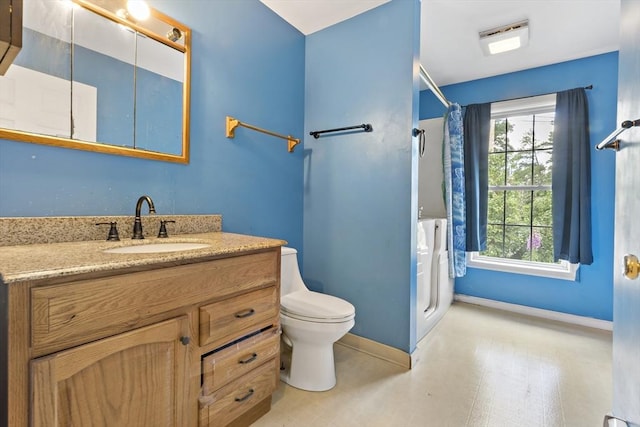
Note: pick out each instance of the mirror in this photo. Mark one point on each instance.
(91, 77)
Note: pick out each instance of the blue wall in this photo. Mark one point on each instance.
(359, 188)
(156, 110)
(248, 63)
(592, 294)
(45, 54)
(115, 86)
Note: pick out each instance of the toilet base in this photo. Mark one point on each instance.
(310, 367)
(312, 363)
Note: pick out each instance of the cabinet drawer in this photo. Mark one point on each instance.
(227, 320)
(224, 366)
(76, 312)
(223, 406)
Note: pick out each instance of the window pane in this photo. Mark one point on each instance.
(519, 165)
(518, 208)
(544, 130)
(520, 155)
(499, 136)
(496, 169)
(516, 243)
(542, 208)
(495, 241)
(495, 207)
(542, 167)
(541, 244)
(520, 136)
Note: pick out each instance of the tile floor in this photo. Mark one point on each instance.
(478, 367)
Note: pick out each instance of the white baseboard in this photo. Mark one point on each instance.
(376, 349)
(589, 322)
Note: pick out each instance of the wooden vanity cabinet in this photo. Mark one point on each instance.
(187, 345)
(135, 378)
(236, 375)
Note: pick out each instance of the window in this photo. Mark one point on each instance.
(519, 233)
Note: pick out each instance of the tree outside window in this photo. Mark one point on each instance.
(519, 205)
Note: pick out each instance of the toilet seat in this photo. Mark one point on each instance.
(316, 307)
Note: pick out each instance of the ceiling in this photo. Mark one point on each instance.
(559, 30)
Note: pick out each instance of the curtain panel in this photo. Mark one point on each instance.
(477, 125)
(571, 181)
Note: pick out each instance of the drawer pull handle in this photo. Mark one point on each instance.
(245, 397)
(185, 340)
(244, 314)
(250, 359)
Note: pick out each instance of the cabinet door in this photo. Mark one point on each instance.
(138, 378)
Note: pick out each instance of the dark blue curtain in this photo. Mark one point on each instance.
(571, 183)
(477, 123)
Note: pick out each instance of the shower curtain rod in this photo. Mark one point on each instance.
(531, 96)
(426, 78)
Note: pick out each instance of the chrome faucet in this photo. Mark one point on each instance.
(137, 224)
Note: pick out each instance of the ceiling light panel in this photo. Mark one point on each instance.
(505, 38)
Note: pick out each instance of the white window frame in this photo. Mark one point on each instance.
(562, 270)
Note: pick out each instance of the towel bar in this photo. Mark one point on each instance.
(232, 124)
(611, 141)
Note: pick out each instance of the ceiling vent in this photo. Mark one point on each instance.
(505, 38)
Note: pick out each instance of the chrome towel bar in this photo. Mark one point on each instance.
(611, 141)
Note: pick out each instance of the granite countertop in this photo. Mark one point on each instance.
(51, 260)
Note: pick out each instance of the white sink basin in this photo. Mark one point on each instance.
(156, 247)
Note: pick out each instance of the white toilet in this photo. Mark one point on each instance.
(311, 323)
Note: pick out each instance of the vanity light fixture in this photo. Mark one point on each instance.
(139, 9)
(505, 38)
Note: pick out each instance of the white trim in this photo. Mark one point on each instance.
(376, 349)
(523, 106)
(564, 270)
(588, 322)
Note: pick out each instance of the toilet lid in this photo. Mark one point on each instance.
(314, 306)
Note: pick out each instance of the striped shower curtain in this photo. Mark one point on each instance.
(453, 156)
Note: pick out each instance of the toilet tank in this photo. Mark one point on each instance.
(290, 279)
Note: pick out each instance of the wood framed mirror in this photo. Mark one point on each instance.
(92, 77)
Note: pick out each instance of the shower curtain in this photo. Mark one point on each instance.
(453, 156)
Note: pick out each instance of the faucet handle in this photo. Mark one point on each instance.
(163, 228)
(113, 231)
